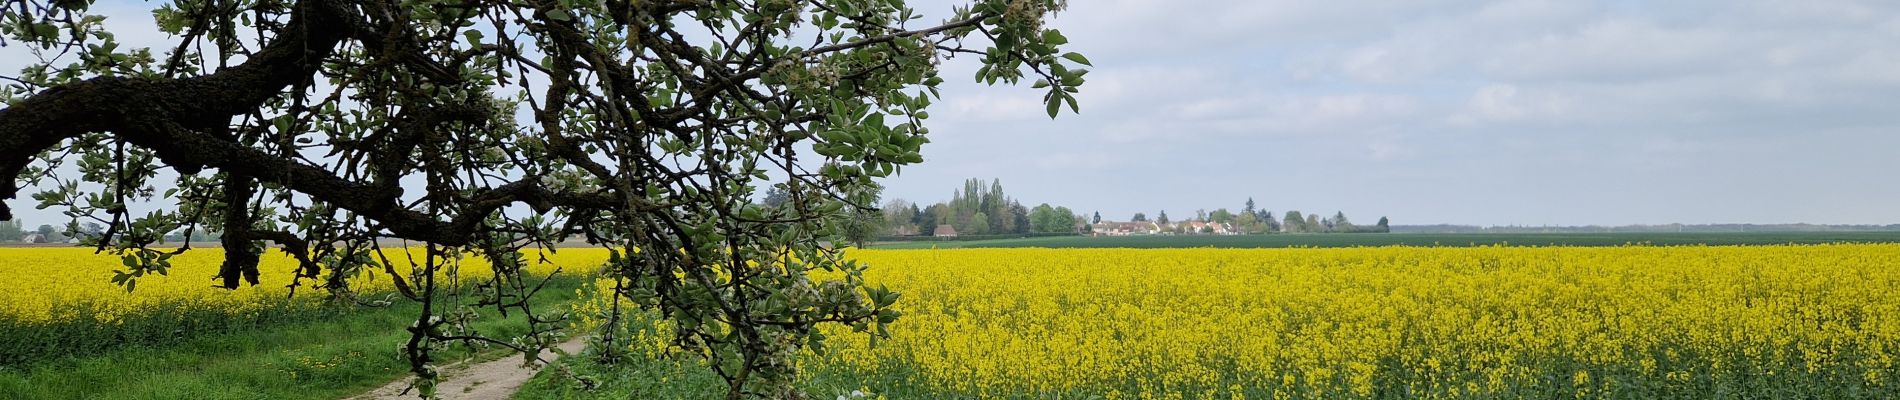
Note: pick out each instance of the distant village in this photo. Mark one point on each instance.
(15, 232)
(1189, 227)
(982, 210)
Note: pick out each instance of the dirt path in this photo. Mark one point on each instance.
(493, 380)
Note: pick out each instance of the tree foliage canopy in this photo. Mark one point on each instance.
(485, 126)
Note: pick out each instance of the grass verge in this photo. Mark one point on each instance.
(324, 358)
(640, 376)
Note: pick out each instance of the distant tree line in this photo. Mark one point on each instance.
(984, 209)
(16, 232)
(1251, 219)
(978, 209)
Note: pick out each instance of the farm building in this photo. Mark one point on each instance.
(1209, 228)
(1111, 228)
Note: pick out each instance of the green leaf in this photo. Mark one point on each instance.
(475, 37)
(1072, 79)
(1055, 105)
(1054, 38)
(1077, 58)
(560, 15)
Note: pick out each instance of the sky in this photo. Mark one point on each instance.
(1509, 112)
(1521, 112)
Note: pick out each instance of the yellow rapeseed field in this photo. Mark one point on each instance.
(48, 285)
(1501, 322)
(1488, 322)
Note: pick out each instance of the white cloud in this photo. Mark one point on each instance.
(1619, 49)
(1072, 161)
(1879, 66)
(1507, 103)
(1389, 150)
(991, 107)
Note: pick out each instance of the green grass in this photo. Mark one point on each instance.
(1413, 239)
(24, 343)
(637, 377)
(682, 378)
(326, 358)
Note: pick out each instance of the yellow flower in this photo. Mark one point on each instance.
(1331, 323)
(43, 285)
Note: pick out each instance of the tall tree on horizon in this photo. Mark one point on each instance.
(923, 222)
(899, 215)
(1247, 223)
(776, 197)
(11, 231)
(1066, 220)
(934, 216)
(1005, 220)
(1019, 217)
(1221, 215)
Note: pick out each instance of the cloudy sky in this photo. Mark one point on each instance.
(1521, 112)
(1477, 112)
